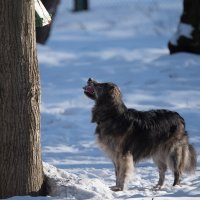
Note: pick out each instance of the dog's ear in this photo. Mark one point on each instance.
(116, 93)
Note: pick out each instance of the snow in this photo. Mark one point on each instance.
(124, 42)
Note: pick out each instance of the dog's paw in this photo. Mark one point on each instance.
(116, 188)
(157, 187)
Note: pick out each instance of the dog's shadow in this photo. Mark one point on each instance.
(144, 189)
(142, 192)
(140, 188)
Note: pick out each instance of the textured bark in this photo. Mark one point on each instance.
(21, 170)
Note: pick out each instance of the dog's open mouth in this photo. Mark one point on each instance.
(89, 90)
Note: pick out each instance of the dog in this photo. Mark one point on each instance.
(129, 136)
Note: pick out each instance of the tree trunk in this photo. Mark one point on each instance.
(80, 5)
(187, 37)
(21, 170)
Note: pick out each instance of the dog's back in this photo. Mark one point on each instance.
(153, 130)
(160, 134)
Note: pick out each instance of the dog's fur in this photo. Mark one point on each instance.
(128, 135)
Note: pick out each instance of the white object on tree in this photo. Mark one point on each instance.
(42, 16)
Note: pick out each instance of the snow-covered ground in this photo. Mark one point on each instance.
(124, 42)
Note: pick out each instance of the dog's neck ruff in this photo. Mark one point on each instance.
(101, 114)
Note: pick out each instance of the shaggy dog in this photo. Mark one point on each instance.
(128, 135)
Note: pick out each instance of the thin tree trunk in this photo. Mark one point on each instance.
(81, 5)
(21, 171)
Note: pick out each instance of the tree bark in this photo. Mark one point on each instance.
(21, 170)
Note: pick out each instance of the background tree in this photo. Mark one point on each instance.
(21, 170)
(187, 37)
(80, 5)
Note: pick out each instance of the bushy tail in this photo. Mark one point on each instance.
(190, 159)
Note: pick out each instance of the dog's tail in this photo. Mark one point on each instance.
(190, 159)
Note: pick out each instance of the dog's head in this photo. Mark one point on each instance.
(102, 91)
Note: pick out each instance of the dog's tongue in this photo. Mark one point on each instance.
(89, 89)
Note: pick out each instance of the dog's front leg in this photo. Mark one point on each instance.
(117, 172)
(123, 171)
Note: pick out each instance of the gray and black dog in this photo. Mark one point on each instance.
(128, 135)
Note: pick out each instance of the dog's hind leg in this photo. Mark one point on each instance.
(162, 166)
(177, 171)
(123, 170)
(176, 162)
